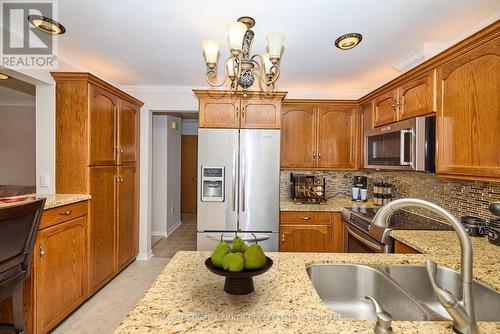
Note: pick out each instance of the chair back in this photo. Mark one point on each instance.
(18, 228)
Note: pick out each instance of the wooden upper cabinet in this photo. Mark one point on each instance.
(128, 132)
(468, 115)
(103, 106)
(260, 113)
(60, 266)
(298, 136)
(127, 215)
(385, 108)
(336, 137)
(417, 96)
(219, 112)
(102, 229)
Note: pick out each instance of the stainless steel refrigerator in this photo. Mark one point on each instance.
(238, 186)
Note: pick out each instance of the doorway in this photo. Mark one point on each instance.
(189, 153)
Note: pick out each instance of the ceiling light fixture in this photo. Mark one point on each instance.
(4, 76)
(47, 25)
(240, 65)
(348, 41)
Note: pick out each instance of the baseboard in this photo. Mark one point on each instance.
(144, 256)
(159, 233)
(173, 228)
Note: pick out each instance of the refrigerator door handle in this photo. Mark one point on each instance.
(230, 239)
(235, 162)
(243, 182)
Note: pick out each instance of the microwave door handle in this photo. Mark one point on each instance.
(402, 150)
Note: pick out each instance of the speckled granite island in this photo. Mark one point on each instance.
(186, 297)
(55, 200)
(331, 205)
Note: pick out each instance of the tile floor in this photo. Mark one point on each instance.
(107, 308)
(183, 238)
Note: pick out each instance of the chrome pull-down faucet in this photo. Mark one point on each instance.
(461, 311)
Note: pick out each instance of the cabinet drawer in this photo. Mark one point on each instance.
(306, 217)
(63, 213)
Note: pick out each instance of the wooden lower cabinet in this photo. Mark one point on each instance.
(127, 228)
(311, 232)
(60, 266)
(402, 248)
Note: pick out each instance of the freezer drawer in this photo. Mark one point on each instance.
(208, 241)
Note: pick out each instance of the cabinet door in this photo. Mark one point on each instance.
(417, 97)
(468, 117)
(385, 109)
(102, 227)
(219, 113)
(60, 268)
(366, 110)
(305, 238)
(127, 223)
(103, 107)
(298, 136)
(337, 142)
(257, 113)
(128, 130)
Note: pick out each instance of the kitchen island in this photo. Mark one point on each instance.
(186, 297)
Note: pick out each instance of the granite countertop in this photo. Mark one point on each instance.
(186, 297)
(54, 200)
(331, 205)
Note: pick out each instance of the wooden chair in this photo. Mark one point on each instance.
(18, 230)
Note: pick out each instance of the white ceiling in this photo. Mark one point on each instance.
(159, 42)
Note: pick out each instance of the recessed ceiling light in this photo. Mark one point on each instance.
(3, 76)
(348, 41)
(47, 25)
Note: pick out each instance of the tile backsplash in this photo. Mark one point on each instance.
(460, 197)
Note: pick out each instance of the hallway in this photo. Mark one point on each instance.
(183, 238)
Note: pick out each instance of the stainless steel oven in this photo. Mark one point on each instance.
(358, 242)
(405, 145)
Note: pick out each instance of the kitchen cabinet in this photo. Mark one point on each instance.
(298, 136)
(97, 152)
(366, 116)
(319, 135)
(385, 108)
(220, 109)
(311, 232)
(402, 248)
(468, 114)
(60, 270)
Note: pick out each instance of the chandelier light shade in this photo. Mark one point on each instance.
(275, 42)
(236, 31)
(211, 48)
(242, 69)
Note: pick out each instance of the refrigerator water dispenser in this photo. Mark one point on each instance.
(212, 184)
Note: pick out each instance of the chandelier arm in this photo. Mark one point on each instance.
(213, 74)
(276, 75)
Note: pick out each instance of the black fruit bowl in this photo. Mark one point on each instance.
(238, 283)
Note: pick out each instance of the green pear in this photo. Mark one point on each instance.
(233, 262)
(221, 249)
(239, 245)
(254, 257)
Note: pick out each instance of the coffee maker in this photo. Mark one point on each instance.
(359, 190)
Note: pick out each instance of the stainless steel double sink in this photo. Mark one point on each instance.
(402, 290)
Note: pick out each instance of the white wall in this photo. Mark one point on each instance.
(190, 127)
(173, 175)
(17, 145)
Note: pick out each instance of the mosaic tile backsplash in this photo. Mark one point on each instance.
(460, 197)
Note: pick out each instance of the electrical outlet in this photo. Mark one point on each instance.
(44, 180)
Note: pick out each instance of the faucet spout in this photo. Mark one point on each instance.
(461, 311)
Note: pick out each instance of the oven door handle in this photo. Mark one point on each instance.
(364, 241)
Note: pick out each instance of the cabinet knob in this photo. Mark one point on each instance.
(65, 213)
(283, 238)
(314, 155)
(42, 252)
(306, 218)
(319, 155)
(117, 149)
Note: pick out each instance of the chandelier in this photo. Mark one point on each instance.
(240, 67)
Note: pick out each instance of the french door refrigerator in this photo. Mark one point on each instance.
(238, 186)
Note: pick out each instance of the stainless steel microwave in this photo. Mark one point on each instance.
(404, 145)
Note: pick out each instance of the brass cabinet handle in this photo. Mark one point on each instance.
(121, 149)
(314, 155)
(242, 111)
(65, 213)
(117, 178)
(319, 155)
(117, 149)
(42, 252)
(237, 109)
(306, 218)
(121, 178)
(283, 238)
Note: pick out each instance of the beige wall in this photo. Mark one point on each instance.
(17, 145)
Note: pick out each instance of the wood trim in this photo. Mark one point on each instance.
(60, 77)
(481, 37)
(337, 232)
(321, 101)
(217, 94)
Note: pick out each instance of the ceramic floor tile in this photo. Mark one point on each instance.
(183, 238)
(103, 312)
